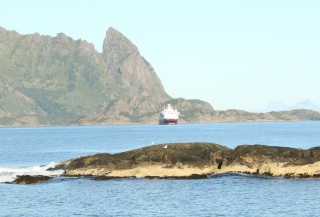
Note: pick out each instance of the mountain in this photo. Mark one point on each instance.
(49, 80)
(60, 81)
(279, 106)
(306, 104)
(57, 80)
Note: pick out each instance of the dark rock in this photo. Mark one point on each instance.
(102, 178)
(193, 176)
(315, 152)
(26, 179)
(262, 153)
(194, 154)
(304, 175)
(267, 174)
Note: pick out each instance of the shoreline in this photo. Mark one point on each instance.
(152, 123)
(161, 172)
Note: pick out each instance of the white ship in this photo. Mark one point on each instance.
(169, 115)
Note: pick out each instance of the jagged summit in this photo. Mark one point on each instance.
(129, 69)
(116, 47)
(115, 41)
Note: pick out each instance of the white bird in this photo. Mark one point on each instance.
(152, 143)
(166, 146)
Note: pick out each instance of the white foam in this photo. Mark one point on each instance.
(9, 174)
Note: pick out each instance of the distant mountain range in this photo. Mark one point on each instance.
(279, 106)
(48, 81)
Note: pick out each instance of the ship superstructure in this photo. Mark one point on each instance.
(169, 115)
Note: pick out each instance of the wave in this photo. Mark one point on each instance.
(9, 174)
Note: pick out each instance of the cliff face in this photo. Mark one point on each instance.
(128, 69)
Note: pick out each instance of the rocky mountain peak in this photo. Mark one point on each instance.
(116, 48)
(129, 69)
(2, 29)
(115, 41)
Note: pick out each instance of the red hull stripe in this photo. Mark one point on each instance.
(170, 120)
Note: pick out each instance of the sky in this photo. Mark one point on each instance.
(234, 54)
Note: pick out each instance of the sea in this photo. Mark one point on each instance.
(33, 150)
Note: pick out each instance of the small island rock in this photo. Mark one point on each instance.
(27, 179)
(197, 160)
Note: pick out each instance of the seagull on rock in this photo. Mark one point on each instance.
(166, 146)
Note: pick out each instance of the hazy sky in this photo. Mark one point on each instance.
(232, 53)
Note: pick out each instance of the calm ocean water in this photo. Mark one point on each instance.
(32, 150)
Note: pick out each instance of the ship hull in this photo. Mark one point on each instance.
(168, 120)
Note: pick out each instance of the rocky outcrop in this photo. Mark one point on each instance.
(129, 69)
(198, 160)
(27, 179)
